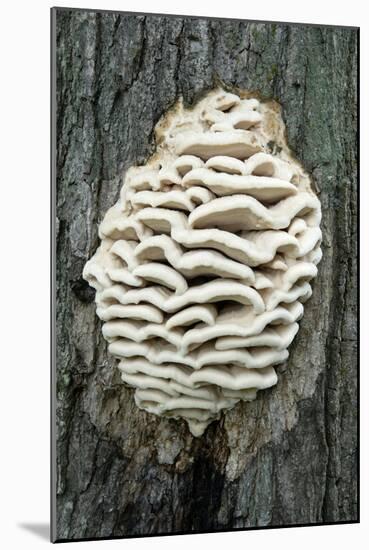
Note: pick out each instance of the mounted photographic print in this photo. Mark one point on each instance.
(204, 218)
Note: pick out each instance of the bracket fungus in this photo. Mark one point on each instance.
(206, 258)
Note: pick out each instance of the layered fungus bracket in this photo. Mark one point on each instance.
(205, 260)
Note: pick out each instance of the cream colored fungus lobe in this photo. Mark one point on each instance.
(206, 258)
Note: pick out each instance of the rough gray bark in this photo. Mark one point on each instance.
(290, 456)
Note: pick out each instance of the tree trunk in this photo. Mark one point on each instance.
(289, 457)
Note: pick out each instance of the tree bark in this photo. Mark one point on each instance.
(288, 458)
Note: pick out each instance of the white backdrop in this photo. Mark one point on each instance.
(24, 224)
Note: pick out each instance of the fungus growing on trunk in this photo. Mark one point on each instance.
(206, 258)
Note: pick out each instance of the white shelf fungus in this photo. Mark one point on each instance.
(206, 259)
